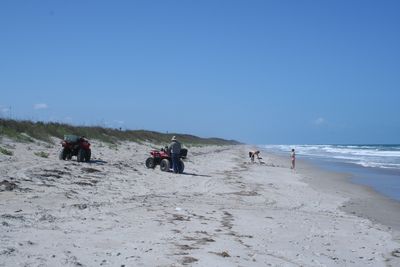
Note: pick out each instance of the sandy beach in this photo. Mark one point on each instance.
(223, 211)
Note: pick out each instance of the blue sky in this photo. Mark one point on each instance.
(262, 72)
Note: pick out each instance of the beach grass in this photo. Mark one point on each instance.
(6, 151)
(28, 131)
(42, 154)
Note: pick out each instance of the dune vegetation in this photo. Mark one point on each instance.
(27, 131)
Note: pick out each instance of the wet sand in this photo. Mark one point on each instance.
(362, 201)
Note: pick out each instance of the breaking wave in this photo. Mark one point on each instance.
(377, 156)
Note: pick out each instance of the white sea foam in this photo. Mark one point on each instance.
(378, 156)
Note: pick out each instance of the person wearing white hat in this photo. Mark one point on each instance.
(175, 150)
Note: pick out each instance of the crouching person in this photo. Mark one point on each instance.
(253, 154)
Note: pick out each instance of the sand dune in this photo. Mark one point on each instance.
(223, 211)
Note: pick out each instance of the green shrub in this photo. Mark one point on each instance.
(6, 152)
(42, 154)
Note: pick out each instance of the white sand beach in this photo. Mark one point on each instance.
(223, 211)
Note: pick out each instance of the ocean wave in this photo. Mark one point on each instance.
(378, 156)
(379, 165)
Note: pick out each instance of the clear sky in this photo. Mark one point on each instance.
(261, 72)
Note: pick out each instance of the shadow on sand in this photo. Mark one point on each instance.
(195, 174)
(99, 162)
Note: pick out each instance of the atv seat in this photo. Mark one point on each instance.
(71, 138)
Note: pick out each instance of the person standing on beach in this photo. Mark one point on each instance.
(293, 158)
(175, 149)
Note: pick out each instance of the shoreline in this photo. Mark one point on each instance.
(363, 200)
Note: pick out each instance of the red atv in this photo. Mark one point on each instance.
(163, 158)
(75, 146)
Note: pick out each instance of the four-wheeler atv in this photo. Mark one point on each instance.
(163, 158)
(75, 146)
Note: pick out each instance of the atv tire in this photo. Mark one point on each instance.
(164, 165)
(63, 154)
(150, 163)
(81, 155)
(88, 155)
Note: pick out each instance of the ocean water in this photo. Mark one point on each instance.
(377, 166)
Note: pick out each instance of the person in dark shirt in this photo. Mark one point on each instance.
(175, 149)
